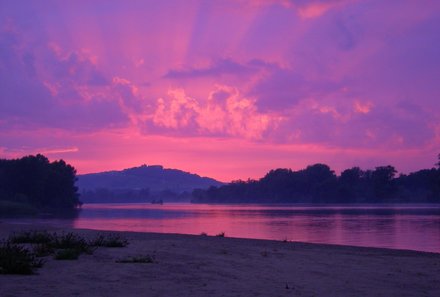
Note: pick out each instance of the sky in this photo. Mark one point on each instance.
(227, 89)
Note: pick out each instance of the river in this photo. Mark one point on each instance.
(413, 227)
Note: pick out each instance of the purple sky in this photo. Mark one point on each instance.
(228, 89)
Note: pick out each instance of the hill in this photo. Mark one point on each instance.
(141, 184)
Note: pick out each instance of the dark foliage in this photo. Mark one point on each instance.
(72, 241)
(15, 259)
(112, 240)
(37, 237)
(108, 195)
(319, 184)
(42, 249)
(34, 183)
(114, 196)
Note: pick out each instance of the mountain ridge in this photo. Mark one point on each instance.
(154, 179)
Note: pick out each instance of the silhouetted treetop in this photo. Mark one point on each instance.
(319, 184)
(36, 182)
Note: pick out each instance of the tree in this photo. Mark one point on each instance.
(349, 184)
(35, 182)
(383, 185)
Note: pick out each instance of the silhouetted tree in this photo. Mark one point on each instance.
(349, 185)
(34, 181)
(318, 183)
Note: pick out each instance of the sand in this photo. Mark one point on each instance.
(189, 265)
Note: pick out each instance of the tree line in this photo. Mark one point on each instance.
(319, 184)
(32, 184)
(143, 195)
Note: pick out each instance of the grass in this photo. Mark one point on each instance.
(137, 259)
(18, 259)
(15, 259)
(111, 240)
(72, 241)
(42, 250)
(37, 237)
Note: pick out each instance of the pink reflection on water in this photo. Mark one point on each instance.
(399, 227)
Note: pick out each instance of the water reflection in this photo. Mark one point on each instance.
(414, 227)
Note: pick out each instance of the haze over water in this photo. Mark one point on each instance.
(413, 227)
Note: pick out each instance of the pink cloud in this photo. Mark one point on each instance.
(314, 10)
(251, 85)
(362, 107)
(225, 112)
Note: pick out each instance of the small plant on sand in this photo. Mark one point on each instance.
(67, 254)
(138, 259)
(42, 249)
(221, 234)
(42, 237)
(72, 241)
(15, 259)
(111, 240)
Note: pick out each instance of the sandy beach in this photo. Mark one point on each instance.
(187, 265)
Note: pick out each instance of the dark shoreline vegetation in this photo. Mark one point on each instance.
(25, 251)
(319, 184)
(34, 186)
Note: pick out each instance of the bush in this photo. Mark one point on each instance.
(42, 250)
(15, 259)
(112, 240)
(38, 237)
(72, 241)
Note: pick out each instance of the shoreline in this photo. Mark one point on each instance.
(196, 265)
(59, 225)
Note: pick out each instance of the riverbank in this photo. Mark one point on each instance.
(186, 265)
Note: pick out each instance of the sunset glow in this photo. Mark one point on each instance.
(226, 89)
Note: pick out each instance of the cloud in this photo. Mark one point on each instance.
(361, 107)
(331, 123)
(218, 68)
(346, 75)
(225, 112)
(17, 152)
(314, 10)
(53, 89)
(74, 66)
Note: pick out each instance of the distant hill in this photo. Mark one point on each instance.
(141, 184)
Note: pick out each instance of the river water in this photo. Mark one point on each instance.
(414, 227)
